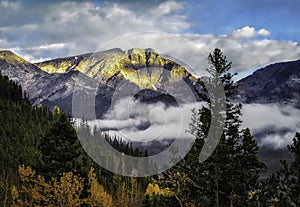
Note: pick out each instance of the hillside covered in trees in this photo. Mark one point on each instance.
(42, 162)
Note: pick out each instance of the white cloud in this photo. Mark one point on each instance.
(3, 44)
(278, 141)
(169, 6)
(249, 54)
(85, 28)
(263, 32)
(162, 122)
(10, 5)
(48, 46)
(274, 125)
(249, 32)
(245, 32)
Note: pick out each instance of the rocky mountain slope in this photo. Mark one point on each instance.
(143, 67)
(29, 76)
(132, 70)
(277, 83)
(19, 70)
(41, 87)
(144, 72)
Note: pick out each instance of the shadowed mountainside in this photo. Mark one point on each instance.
(277, 83)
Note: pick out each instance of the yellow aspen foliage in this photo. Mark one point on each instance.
(39, 106)
(56, 110)
(67, 191)
(189, 204)
(15, 194)
(32, 189)
(26, 173)
(153, 189)
(122, 196)
(129, 192)
(36, 191)
(98, 196)
(136, 194)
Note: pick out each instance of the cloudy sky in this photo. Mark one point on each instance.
(252, 33)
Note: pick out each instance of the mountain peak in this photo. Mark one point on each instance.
(140, 51)
(143, 67)
(11, 57)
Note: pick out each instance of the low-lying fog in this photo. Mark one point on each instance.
(155, 124)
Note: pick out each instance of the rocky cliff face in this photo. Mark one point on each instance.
(143, 67)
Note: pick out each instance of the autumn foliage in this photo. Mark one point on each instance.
(34, 190)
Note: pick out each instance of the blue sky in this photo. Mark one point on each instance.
(251, 33)
(279, 17)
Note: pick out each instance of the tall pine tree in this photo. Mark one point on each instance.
(231, 172)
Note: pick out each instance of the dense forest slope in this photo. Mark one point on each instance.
(36, 142)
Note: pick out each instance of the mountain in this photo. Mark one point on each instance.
(142, 73)
(41, 87)
(32, 79)
(277, 83)
(18, 69)
(143, 67)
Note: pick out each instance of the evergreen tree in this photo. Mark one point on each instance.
(227, 176)
(61, 149)
(295, 170)
(247, 168)
(20, 131)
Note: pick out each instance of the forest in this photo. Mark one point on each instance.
(42, 162)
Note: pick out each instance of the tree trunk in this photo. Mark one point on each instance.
(6, 187)
(216, 187)
(231, 199)
(179, 201)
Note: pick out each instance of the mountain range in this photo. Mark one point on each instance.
(52, 82)
(150, 76)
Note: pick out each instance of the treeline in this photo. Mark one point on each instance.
(43, 162)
